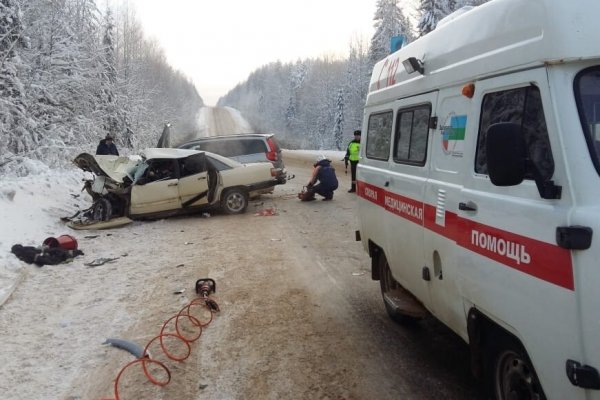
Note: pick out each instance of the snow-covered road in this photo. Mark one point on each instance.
(214, 121)
(300, 316)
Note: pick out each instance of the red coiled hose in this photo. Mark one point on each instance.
(175, 321)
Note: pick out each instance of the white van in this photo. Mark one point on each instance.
(479, 185)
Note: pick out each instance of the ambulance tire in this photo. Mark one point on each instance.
(509, 373)
(389, 284)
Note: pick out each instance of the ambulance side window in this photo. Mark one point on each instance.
(587, 93)
(379, 133)
(522, 106)
(412, 130)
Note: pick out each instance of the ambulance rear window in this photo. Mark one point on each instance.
(587, 92)
(379, 133)
(522, 106)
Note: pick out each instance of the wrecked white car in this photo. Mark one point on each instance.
(164, 182)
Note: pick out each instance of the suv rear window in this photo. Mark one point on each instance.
(231, 148)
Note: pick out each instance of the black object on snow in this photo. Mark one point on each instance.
(43, 256)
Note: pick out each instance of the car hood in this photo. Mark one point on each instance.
(113, 167)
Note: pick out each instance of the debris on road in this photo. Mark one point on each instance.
(100, 261)
(267, 212)
(127, 345)
(44, 255)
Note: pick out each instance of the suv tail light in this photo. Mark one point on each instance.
(272, 153)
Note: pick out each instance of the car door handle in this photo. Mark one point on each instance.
(172, 184)
(469, 206)
(201, 178)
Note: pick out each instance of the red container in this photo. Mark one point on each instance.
(65, 242)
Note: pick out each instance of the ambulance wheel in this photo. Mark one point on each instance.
(511, 375)
(234, 201)
(101, 209)
(394, 295)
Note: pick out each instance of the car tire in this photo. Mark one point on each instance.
(391, 290)
(509, 372)
(101, 209)
(234, 201)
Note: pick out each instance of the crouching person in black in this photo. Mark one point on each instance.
(323, 180)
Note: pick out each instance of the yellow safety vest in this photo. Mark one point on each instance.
(353, 150)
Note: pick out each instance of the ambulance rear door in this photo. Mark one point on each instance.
(405, 189)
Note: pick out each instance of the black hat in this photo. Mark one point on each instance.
(108, 137)
(357, 132)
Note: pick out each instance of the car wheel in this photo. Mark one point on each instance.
(513, 376)
(397, 300)
(101, 209)
(234, 201)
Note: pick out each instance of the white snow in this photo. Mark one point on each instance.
(240, 121)
(30, 211)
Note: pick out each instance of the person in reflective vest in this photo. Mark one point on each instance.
(323, 181)
(352, 156)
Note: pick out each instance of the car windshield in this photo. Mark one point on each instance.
(587, 91)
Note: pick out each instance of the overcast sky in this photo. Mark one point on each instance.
(218, 43)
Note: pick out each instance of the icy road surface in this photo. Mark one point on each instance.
(215, 121)
(300, 316)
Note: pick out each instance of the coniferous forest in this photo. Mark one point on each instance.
(318, 103)
(70, 73)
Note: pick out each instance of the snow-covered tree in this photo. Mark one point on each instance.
(15, 126)
(109, 78)
(67, 78)
(356, 86)
(297, 76)
(389, 22)
(431, 12)
(338, 127)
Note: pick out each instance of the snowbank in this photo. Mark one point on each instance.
(30, 211)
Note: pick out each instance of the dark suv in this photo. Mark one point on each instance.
(244, 148)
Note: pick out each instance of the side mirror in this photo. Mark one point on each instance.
(505, 149)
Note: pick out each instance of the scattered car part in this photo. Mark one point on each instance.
(100, 261)
(129, 346)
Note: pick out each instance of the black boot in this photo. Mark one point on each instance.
(352, 188)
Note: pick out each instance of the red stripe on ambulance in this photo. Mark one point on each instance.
(536, 258)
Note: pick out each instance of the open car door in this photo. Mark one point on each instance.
(193, 183)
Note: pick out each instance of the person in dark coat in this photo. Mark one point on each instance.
(323, 181)
(107, 147)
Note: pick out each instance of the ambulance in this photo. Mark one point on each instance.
(479, 190)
